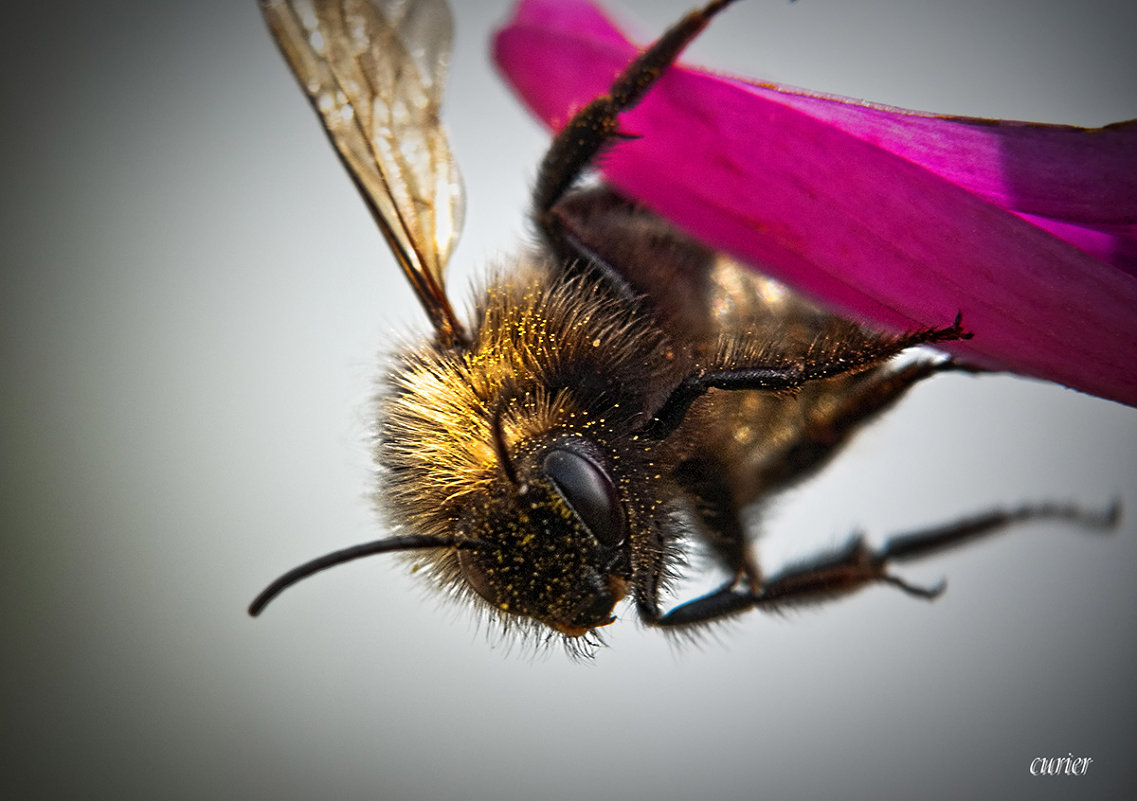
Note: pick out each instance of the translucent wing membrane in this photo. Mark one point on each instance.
(374, 71)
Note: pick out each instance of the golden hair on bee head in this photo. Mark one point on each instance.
(551, 359)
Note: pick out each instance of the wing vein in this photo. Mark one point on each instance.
(373, 70)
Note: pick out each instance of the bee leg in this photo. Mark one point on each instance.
(827, 432)
(789, 377)
(721, 526)
(857, 565)
(837, 574)
(717, 605)
(596, 125)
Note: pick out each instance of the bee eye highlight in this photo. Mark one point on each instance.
(589, 492)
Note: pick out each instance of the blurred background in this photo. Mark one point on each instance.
(193, 306)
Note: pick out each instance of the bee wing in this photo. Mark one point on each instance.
(374, 71)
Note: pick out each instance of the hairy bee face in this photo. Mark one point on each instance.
(554, 544)
(520, 448)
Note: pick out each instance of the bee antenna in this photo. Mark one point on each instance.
(499, 445)
(407, 543)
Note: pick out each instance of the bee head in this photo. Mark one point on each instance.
(552, 544)
(550, 547)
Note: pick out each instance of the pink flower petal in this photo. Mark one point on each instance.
(1078, 183)
(897, 218)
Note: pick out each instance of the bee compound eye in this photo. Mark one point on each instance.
(589, 491)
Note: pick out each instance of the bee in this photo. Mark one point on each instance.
(620, 391)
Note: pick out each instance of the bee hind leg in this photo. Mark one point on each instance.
(840, 573)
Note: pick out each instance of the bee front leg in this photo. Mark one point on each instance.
(837, 574)
(596, 125)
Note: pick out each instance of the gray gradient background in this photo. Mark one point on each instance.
(191, 303)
